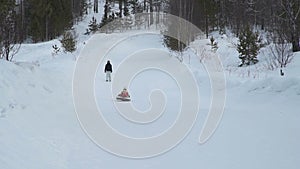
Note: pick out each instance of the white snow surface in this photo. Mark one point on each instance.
(39, 128)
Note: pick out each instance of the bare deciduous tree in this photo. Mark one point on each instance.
(281, 51)
(290, 10)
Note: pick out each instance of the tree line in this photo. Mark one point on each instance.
(36, 20)
(279, 17)
(47, 19)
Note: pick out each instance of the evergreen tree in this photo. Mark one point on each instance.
(69, 41)
(248, 47)
(9, 38)
(105, 18)
(174, 44)
(136, 6)
(209, 8)
(48, 19)
(126, 8)
(213, 44)
(93, 26)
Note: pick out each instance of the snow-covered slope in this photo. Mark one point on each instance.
(39, 128)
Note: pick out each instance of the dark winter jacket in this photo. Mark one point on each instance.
(108, 67)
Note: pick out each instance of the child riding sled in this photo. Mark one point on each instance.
(124, 95)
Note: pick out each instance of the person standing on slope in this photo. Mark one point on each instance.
(108, 71)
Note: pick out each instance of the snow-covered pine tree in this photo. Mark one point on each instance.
(127, 22)
(69, 41)
(107, 13)
(93, 26)
(214, 44)
(136, 6)
(248, 47)
(126, 7)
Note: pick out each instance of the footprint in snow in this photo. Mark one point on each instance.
(2, 112)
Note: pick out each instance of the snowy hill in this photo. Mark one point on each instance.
(39, 127)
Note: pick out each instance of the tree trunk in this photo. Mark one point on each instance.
(295, 42)
(46, 27)
(96, 6)
(206, 19)
(106, 10)
(7, 51)
(126, 10)
(151, 12)
(120, 8)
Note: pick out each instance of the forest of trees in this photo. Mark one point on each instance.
(274, 16)
(38, 20)
(43, 20)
